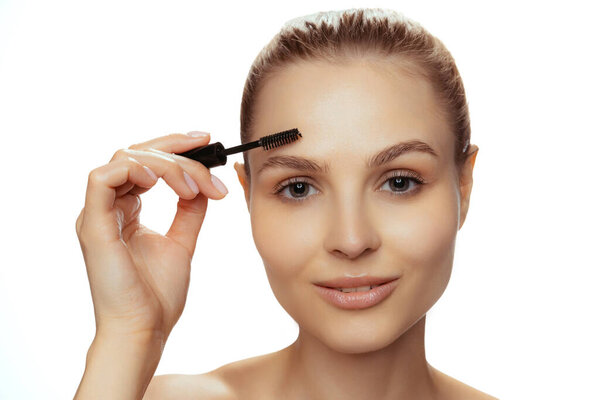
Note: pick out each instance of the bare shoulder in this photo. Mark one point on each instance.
(248, 378)
(188, 387)
(257, 377)
(455, 389)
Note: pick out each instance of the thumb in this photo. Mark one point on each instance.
(188, 221)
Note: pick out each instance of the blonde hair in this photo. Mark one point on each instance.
(339, 36)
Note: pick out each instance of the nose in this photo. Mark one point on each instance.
(352, 232)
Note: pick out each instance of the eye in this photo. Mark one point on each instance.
(400, 183)
(297, 187)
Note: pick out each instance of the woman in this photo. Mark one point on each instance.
(373, 193)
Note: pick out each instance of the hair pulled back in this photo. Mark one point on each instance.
(340, 36)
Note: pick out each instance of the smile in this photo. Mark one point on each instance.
(356, 289)
(357, 298)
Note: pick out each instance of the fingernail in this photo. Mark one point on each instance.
(138, 203)
(190, 182)
(218, 184)
(151, 173)
(198, 134)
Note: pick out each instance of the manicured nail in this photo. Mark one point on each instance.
(198, 134)
(151, 173)
(218, 184)
(190, 182)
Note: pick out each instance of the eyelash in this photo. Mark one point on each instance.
(410, 175)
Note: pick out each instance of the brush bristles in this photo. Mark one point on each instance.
(279, 139)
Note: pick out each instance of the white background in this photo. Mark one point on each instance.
(81, 79)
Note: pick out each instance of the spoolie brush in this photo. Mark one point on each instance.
(214, 154)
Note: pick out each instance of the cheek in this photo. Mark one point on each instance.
(283, 239)
(423, 241)
(286, 243)
(428, 232)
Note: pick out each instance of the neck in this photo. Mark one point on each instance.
(396, 371)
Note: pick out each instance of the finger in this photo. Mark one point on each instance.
(200, 174)
(130, 207)
(130, 187)
(188, 221)
(172, 167)
(124, 188)
(163, 165)
(173, 143)
(178, 143)
(99, 215)
(138, 190)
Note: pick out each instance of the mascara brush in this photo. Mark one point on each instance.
(215, 154)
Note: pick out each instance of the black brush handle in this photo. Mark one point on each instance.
(211, 155)
(214, 154)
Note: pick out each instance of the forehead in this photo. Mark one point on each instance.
(352, 109)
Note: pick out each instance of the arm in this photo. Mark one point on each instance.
(119, 367)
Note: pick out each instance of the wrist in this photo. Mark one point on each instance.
(120, 366)
(148, 344)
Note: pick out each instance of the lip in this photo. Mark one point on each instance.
(357, 300)
(353, 282)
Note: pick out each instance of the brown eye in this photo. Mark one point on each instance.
(404, 183)
(297, 188)
(399, 183)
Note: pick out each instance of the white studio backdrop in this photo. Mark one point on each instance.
(82, 79)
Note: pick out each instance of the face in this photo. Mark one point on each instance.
(355, 217)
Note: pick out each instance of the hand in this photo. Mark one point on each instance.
(138, 278)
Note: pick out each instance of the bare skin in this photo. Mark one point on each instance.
(348, 222)
(268, 377)
(138, 278)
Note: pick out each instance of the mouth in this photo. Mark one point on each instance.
(355, 284)
(358, 297)
(355, 289)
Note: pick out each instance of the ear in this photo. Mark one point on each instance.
(466, 183)
(241, 173)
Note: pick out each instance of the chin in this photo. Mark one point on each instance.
(358, 336)
(358, 342)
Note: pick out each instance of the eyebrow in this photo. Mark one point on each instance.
(383, 157)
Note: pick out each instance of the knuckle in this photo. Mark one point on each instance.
(121, 153)
(172, 163)
(84, 239)
(95, 175)
(89, 235)
(203, 172)
(133, 160)
(78, 222)
(81, 232)
(162, 154)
